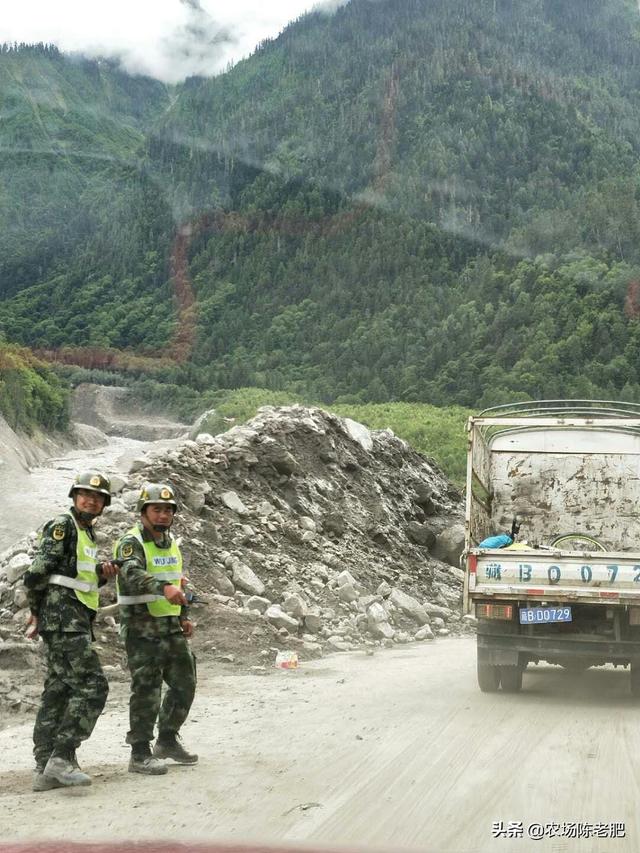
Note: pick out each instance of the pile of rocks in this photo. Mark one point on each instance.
(300, 530)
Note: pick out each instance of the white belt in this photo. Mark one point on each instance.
(166, 576)
(73, 583)
(139, 599)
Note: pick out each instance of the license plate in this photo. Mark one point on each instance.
(543, 615)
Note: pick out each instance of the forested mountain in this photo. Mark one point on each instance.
(429, 200)
(72, 182)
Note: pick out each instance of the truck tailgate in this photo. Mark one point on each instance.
(599, 578)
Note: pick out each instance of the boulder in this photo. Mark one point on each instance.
(410, 606)
(232, 501)
(276, 616)
(246, 579)
(449, 545)
(17, 566)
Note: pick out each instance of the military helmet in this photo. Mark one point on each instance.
(92, 481)
(156, 493)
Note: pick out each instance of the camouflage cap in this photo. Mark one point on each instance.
(92, 481)
(156, 493)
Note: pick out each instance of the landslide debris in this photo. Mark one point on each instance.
(301, 530)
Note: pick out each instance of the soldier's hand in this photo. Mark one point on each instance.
(32, 627)
(108, 569)
(174, 594)
(187, 628)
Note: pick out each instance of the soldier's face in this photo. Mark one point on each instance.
(158, 516)
(86, 500)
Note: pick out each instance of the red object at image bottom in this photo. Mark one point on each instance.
(152, 847)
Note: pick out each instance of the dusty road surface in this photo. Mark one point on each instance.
(399, 751)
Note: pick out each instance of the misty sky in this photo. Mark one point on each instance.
(168, 39)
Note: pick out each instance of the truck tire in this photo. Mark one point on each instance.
(511, 678)
(634, 678)
(488, 676)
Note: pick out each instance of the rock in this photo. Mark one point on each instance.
(313, 621)
(443, 632)
(451, 597)
(334, 524)
(436, 610)
(421, 534)
(20, 599)
(347, 593)
(129, 497)
(117, 483)
(232, 501)
(246, 579)
(117, 512)
(195, 498)
(256, 602)
(307, 523)
(138, 464)
(409, 605)
(358, 432)
(295, 605)
(221, 582)
(274, 454)
(336, 643)
(378, 621)
(384, 590)
(20, 656)
(319, 570)
(437, 622)
(457, 573)
(449, 545)
(276, 616)
(265, 509)
(424, 497)
(424, 633)
(205, 438)
(346, 578)
(17, 566)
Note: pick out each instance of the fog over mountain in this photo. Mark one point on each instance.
(166, 39)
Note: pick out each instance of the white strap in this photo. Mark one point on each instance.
(72, 583)
(139, 599)
(166, 576)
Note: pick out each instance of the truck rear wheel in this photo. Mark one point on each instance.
(488, 675)
(511, 678)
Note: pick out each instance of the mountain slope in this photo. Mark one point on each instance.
(71, 139)
(424, 200)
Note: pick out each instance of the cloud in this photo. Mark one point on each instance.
(167, 39)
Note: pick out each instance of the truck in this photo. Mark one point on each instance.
(567, 590)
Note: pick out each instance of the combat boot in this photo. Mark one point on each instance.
(42, 782)
(65, 772)
(169, 746)
(142, 761)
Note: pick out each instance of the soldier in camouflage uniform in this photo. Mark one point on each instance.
(155, 627)
(62, 588)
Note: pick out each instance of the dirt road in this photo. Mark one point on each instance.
(29, 498)
(399, 751)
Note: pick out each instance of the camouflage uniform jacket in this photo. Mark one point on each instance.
(133, 579)
(57, 607)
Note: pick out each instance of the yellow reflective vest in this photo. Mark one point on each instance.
(162, 564)
(85, 584)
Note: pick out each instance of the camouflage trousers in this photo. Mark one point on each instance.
(152, 661)
(75, 692)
